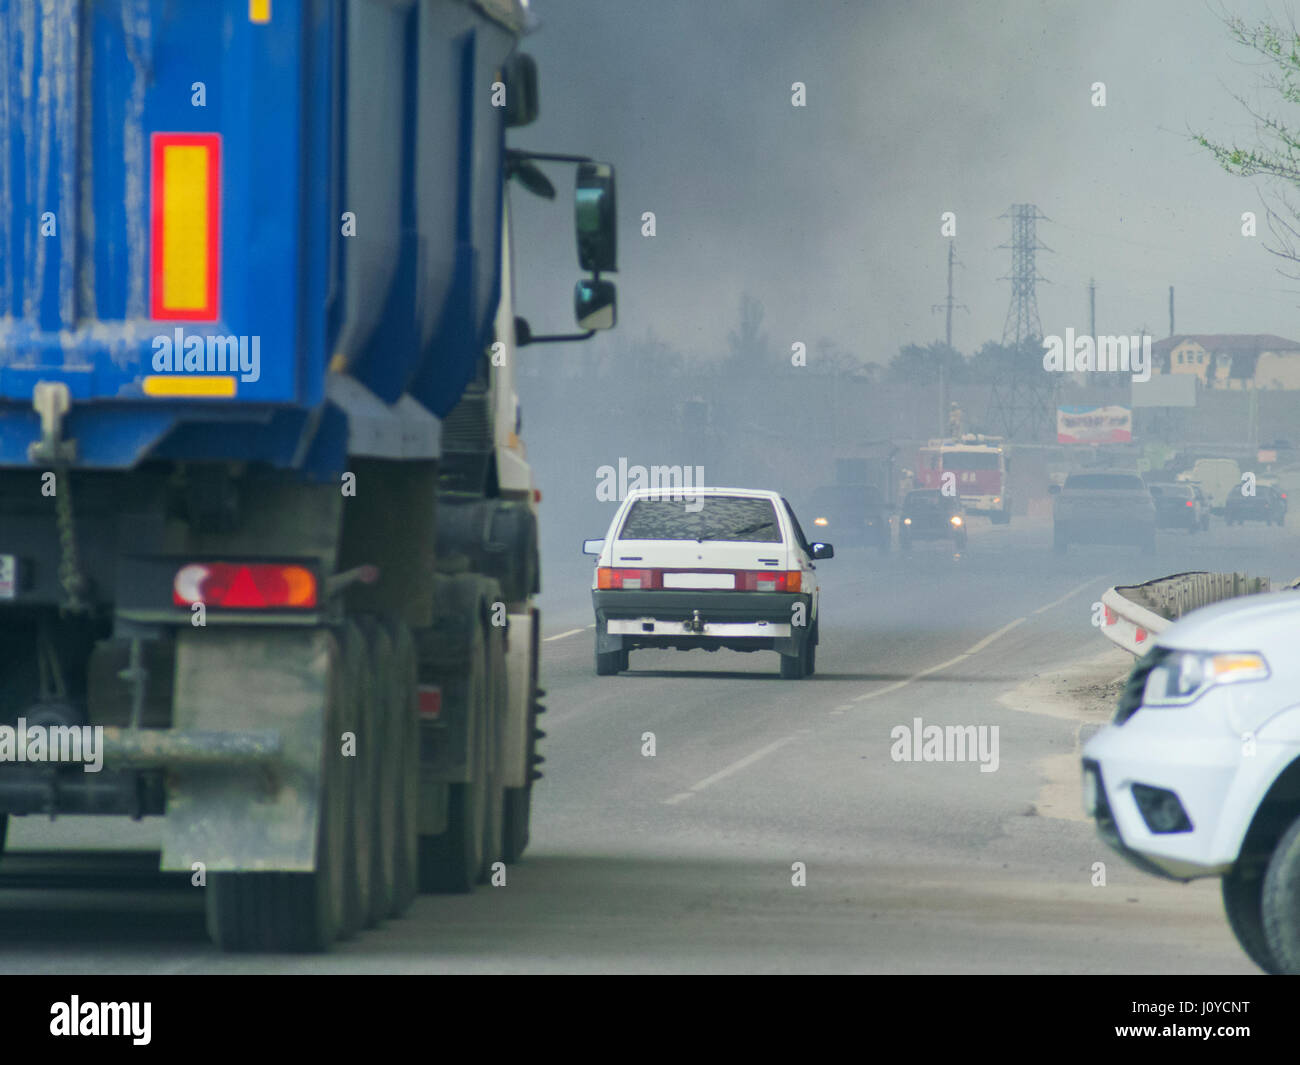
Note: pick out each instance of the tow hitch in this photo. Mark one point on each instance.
(696, 624)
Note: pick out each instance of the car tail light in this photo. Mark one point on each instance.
(609, 578)
(766, 580)
(245, 586)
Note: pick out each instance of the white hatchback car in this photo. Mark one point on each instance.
(706, 568)
(1199, 774)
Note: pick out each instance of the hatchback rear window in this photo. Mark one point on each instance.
(704, 518)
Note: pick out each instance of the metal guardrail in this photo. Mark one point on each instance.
(1136, 613)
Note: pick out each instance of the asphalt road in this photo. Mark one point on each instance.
(687, 860)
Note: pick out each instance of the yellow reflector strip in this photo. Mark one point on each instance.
(259, 10)
(182, 385)
(185, 227)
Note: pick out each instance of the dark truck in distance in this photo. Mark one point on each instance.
(1103, 507)
(854, 514)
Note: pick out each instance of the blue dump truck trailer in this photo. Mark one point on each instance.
(268, 534)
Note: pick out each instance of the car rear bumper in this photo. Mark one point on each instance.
(1118, 529)
(1182, 518)
(689, 618)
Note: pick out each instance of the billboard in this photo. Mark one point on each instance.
(1094, 425)
(1166, 390)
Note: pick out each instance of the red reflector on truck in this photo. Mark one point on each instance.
(430, 700)
(185, 224)
(245, 586)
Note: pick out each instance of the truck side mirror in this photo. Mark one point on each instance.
(594, 218)
(595, 304)
(520, 77)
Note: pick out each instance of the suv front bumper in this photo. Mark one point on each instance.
(1190, 753)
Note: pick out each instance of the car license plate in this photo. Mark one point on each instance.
(8, 576)
(1090, 791)
(699, 580)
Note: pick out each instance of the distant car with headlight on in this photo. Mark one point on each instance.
(1199, 773)
(851, 514)
(928, 514)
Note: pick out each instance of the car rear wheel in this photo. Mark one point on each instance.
(609, 663)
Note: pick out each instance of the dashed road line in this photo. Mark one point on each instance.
(763, 752)
(735, 767)
(1074, 591)
(562, 635)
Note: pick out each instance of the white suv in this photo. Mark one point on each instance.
(706, 568)
(1199, 774)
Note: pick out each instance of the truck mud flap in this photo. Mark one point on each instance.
(234, 816)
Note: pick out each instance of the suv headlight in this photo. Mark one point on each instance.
(1184, 676)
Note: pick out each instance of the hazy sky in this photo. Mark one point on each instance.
(830, 214)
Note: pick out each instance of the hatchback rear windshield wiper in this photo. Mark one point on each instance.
(735, 532)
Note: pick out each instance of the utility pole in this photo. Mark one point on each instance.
(947, 307)
(1171, 310)
(1023, 395)
(1092, 309)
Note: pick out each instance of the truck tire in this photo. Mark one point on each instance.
(404, 766)
(386, 779)
(451, 861)
(495, 686)
(362, 766)
(1280, 902)
(298, 912)
(1242, 900)
(519, 801)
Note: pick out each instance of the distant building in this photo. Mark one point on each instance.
(1234, 361)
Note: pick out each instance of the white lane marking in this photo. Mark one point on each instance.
(592, 625)
(974, 650)
(994, 635)
(763, 752)
(561, 635)
(1075, 591)
(735, 767)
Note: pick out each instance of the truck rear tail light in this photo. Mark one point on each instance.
(609, 578)
(430, 701)
(1190, 503)
(185, 224)
(245, 586)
